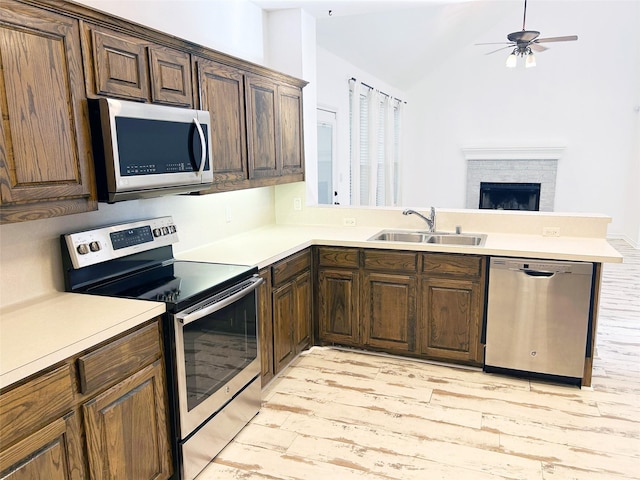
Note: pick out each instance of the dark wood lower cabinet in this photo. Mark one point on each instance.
(285, 312)
(52, 452)
(265, 327)
(302, 318)
(426, 305)
(124, 431)
(451, 320)
(389, 307)
(126, 428)
(338, 306)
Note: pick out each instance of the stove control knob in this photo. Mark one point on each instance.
(172, 228)
(157, 232)
(83, 249)
(95, 246)
(165, 231)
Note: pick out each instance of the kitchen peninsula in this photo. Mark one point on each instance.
(349, 271)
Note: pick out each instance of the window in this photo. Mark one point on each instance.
(375, 120)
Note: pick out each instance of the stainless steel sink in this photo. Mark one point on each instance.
(442, 238)
(457, 239)
(391, 236)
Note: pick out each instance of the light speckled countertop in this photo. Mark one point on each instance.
(48, 330)
(267, 245)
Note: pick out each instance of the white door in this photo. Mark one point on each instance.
(327, 169)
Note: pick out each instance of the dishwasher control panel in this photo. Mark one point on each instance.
(533, 265)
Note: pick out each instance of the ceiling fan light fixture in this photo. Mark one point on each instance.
(512, 60)
(530, 60)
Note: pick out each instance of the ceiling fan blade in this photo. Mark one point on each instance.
(568, 38)
(503, 48)
(496, 43)
(538, 48)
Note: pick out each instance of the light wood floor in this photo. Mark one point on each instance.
(342, 415)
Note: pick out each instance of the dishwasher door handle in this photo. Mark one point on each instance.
(537, 273)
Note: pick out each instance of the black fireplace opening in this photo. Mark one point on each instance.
(510, 196)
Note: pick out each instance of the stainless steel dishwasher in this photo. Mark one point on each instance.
(538, 317)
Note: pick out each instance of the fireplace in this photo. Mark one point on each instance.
(509, 196)
(500, 165)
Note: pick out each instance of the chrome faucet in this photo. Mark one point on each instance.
(431, 219)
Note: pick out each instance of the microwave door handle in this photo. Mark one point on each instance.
(186, 318)
(203, 146)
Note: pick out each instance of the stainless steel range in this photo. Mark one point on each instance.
(210, 330)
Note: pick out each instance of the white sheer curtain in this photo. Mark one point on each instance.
(375, 146)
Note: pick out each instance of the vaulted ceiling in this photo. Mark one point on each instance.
(400, 41)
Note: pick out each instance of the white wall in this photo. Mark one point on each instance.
(333, 94)
(29, 252)
(233, 27)
(290, 47)
(581, 95)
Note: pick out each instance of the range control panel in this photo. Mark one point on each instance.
(106, 243)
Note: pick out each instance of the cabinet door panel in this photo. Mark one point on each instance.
(222, 94)
(338, 306)
(283, 311)
(265, 326)
(264, 157)
(291, 138)
(45, 150)
(170, 77)
(120, 66)
(302, 316)
(53, 452)
(390, 311)
(451, 316)
(126, 428)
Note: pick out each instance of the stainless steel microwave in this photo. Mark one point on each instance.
(143, 150)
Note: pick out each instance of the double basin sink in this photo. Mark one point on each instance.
(442, 238)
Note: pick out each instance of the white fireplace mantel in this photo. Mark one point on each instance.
(513, 153)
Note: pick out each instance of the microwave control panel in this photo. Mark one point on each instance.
(90, 247)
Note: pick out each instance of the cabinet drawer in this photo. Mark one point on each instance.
(390, 260)
(452, 265)
(35, 403)
(338, 257)
(119, 359)
(291, 266)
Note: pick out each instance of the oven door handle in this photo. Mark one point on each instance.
(187, 317)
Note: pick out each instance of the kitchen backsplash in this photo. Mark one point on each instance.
(30, 264)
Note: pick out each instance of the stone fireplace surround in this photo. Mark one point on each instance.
(513, 165)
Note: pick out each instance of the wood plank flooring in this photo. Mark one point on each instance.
(339, 415)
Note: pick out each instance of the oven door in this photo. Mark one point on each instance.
(216, 352)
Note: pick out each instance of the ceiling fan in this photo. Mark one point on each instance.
(525, 42)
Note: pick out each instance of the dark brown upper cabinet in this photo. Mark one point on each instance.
(222, 94)
(45, 154)
(131, 68)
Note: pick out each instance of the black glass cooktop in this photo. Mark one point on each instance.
(178, 283)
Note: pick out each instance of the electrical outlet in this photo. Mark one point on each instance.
(297, 204)
(551, 231)
(349, 222)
